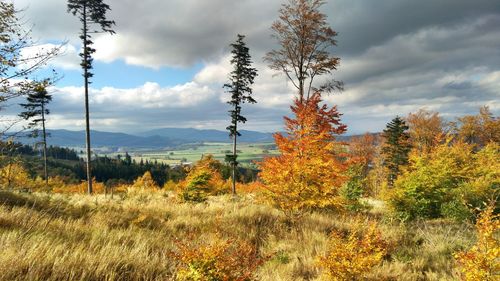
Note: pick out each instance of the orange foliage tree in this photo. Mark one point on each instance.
(427, 129)
(309, 172)
(218, 259)
(479, 129)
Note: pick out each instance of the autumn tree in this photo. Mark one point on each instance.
(308, 173)
(481, 262)
(239, 86)
(449, 181)
(363, 150)
(91, 13)
(395, 148)
(427, 129)
(17, 69)
(478, 129)
(305, 41)
(204, 179)
(36, 111)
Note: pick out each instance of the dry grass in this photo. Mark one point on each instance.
(78, 237)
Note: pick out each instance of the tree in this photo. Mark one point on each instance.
(395, 148)
(427, 129)
(305, 40)
(16, 68)
(90, 13)
(36, 110)
(478, 129)
(239, 86)
(449, 181)
(309, 173)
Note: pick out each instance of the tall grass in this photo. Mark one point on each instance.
(78, 237)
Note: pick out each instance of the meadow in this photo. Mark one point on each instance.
(248, 153)
(138, 236)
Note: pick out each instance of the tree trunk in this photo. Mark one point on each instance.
(234, 161)
(87, 118)
(45, 173)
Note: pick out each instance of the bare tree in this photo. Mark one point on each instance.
(306, 41)
(17, 67)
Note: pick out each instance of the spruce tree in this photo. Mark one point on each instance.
(36, 111)
(396, 147)
(90, 13)
(239, 86)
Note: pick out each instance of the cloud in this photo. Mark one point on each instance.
(67, 59)
(396, 56)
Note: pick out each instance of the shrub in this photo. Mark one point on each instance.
(352, 257)
(143, 184)
(482, 261)
(446, 182)
(204, 179)
(354, 188)
(14, 176)
(216, 260)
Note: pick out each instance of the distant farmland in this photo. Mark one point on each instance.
(247, 153)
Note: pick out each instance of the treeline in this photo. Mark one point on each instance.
(426, 167)
(54, 152)
(111, 171)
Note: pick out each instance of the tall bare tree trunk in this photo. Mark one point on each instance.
(45, 172)
(87, 118)
(234, 163)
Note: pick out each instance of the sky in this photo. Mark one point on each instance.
(168, 60)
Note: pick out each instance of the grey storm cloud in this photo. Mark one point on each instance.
(396, 56)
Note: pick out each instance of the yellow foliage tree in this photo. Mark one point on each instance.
(145, 182)
(203, 179)
(352, 257)
(14, 176)
(446, 180)
(482, 261)
(308, 174)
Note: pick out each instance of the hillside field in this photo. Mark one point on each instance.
(140, 237)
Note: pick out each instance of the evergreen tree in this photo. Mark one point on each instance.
(396, 147)
(36, 110)
(90, 13)
(239, 86)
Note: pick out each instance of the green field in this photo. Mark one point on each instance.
(248, 153)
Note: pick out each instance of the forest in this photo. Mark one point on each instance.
(415, 201)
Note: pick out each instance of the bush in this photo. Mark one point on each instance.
(143, 184)
(446, 182)
(482, 261)
(352, 257)
(217, 260)
(204, 179)
(14, 176)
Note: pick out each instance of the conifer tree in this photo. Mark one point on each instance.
(90, 13)
(396, 147)
(239, 86)
(36, 111)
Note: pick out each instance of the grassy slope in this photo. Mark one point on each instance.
(77, 237)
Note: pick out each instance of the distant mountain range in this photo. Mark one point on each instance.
(158, 138)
